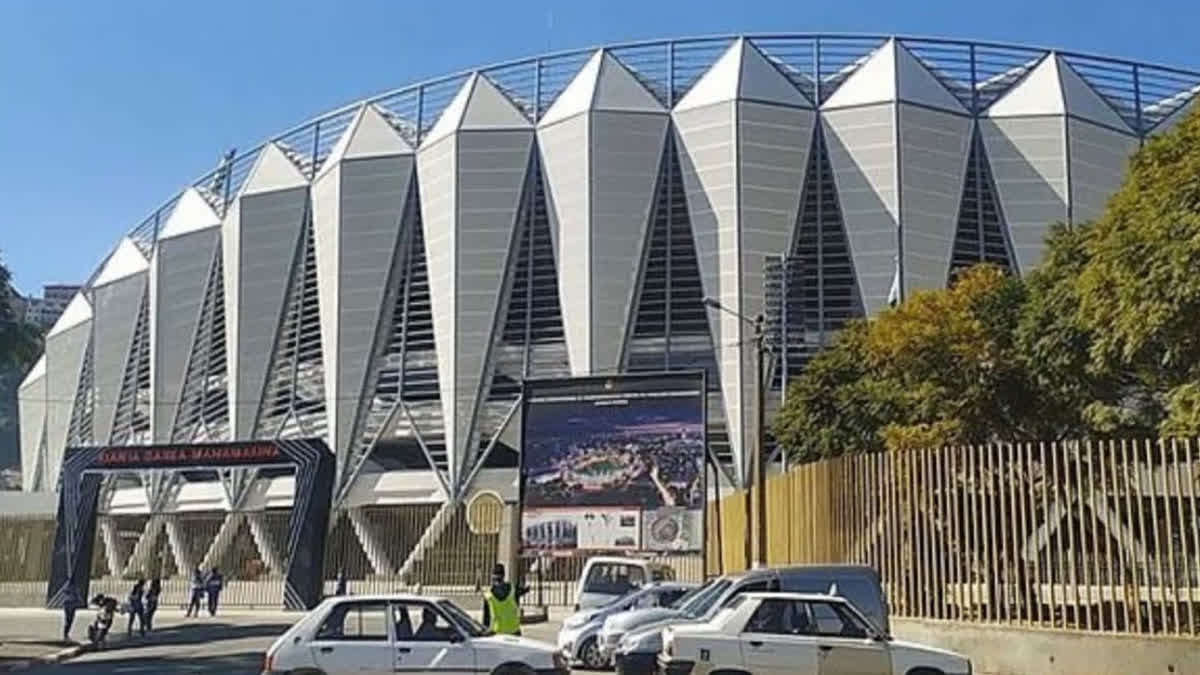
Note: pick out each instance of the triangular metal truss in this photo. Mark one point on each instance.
(823, 295)
(294, 396)
(203, 412)
(132, 420)
(159, 485)
(236, 483)
(980, 236)
(81, 430)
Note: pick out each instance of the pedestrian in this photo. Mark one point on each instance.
(213, 586)
(71, 603)
(152, 603)
(197, 593)
(501, 613)
(340, 589)
(137, 609)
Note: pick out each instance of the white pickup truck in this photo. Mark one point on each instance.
(796, 633)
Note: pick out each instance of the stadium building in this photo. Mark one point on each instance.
(386, 275)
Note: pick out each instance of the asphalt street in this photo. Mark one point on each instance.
(230, 644)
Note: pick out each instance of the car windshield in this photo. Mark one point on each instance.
(613, 578)
(461, 619)
(684, 599)
(627, 599)
(700, 604)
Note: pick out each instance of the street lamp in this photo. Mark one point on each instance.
(757, 470)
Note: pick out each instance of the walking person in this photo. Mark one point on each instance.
(71, 603)
(501, 613)
(197, 593)
(213, 586)
(151, 603)
(136, 608)
(340, 589)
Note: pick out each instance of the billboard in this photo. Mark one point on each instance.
(613, 463)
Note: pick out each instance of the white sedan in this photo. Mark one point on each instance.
(377, 634)
(801, 633)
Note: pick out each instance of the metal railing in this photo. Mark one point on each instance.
(1096, 536)
(975, 72)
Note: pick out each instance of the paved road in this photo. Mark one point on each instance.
(230, 645)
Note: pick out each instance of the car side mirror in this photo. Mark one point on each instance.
(455, 638)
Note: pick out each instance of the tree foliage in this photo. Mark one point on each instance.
(1101, 339)
(19, 341)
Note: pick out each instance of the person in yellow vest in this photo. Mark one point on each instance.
(501, 611)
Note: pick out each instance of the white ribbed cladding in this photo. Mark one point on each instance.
(179, 272)
(359, 199)
(601, 143)
(1043, 173)
(472, 171)
(116, 298)
(260, 235)
(31, 398)
(898, 142)
(743, 164)
(66, 344)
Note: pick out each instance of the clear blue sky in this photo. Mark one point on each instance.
(107, 108)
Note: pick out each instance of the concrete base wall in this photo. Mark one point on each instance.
(1006, 650)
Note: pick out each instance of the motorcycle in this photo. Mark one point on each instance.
(98, 630)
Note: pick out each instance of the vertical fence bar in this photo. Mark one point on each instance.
(1095, 588)
(1005, 567)
(1141, 570)
(971, 519)
(1170, 532)
(1054, 528)
(1184, 557)
(1032, 532)
(894, 531)
(1078, 558)
(944, 551)
(994, 538)
(926, 490)
(912, 558)
(1016, 484)
(956, 526)
(1126, 565)
(1158, 546)
(1111, 530)
(1194, 558)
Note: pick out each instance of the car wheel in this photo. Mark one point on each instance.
(590, 656)
(513, 669)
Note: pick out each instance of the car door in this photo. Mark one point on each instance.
(844, 643)
(354, 639)
(770, 643)
(426, 641)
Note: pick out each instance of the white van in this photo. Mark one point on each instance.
(606, 578)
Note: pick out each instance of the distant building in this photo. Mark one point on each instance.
(44, 311)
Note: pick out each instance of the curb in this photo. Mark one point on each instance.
(53, 657)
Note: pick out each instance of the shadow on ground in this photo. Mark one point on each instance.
(241, 663)
(195, 633)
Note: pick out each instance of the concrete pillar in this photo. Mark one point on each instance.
(221, 542)
(139, 561)
(112, 550)
(372, 545)
(179, 549)
(266, 548)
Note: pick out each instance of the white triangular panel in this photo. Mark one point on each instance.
(892, 73)
(77, 311)
(31, 400)
(272, 171)
(179, 277)
(357, 209)
(919, 86)
(1038, 93)
(577, 97)
(861, 143)
(191, 213)
(1083, 101)
(617, 89)
(872, 82)
(126, 261)
(115, 308)
(742, 72)
(468, 215)
(477, 106)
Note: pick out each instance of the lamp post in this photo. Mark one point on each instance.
(757, 471)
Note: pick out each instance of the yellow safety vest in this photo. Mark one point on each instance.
(506, 618)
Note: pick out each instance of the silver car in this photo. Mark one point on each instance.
(578, 639)
(693, 605)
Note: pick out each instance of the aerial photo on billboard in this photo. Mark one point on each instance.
(613, 463)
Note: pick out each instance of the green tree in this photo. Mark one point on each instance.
(19, 341)
(1140, 292)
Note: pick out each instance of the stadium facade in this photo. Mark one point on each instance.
(386, 275)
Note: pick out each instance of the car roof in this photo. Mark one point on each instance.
(384, 597)
(785, 595)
